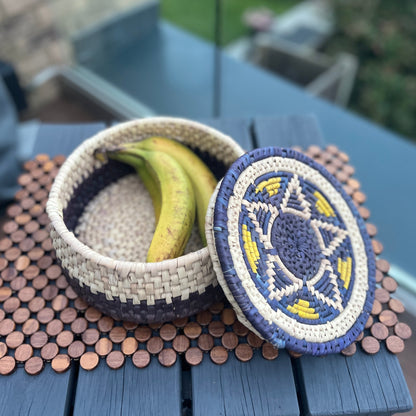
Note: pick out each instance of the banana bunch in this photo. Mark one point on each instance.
(180, 185)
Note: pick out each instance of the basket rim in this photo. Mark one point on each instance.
(54, 206)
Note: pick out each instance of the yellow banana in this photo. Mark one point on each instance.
(138, 164)
(202, 179)
(177, 213)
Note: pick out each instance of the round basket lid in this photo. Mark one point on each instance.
(291, 252)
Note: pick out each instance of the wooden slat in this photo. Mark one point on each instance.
(236, 388)
(259, 387)
(336, 385)
(154, 390)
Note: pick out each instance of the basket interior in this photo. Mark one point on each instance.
(111, 212)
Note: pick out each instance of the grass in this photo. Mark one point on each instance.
(198, 16)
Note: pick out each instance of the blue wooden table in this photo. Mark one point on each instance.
(333, 385)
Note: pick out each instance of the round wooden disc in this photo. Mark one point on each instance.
(45, 315)
(371, 229)
(369, 322)
(7, 365)
(229, 340)
(89, 360)
(34, 366)
(377, 246)
(92, 314)
(14, 339)
(377, 307)
(129, 326)
(6, 327)
(90, 336)
(11, 305)
(269, 352)
(216, 329)
(141, 358)
(382, 295)
(228, 316)
(21, 315)
(396, 306)
(53, 272)
(219, 355)
(402, 330)
(370, 345)
(192, 330)
(68, 315)
(129, 346)
(79, 326)
(76, 349)
(142, 333)
(181, 343)
(17, 237)
(379, 331)
(31, 227)
(21, 263)
(118, 334)
(5, 293)
(244, 352)
(240, 329)
(61, 363)
(350, 350)
(167, 357)
(23, 353)
(105, 324)
(388, 318)
(79, 304)
(61, 283)
(21, 194)
(5, 244)
(383, 265)
(395, 344)
(50, 292)
(204, 318)
(12, 254)
(26, 245)
(18, 283)
(36, 304)
(36, 253)
(360, 336)
(26, 294)
(59, 303)
(154, 345)
(254, 341)
(2, 314)
(103, 347)
(206, 342)
(54, 327)
(216, 308)
(167, 332)
(194, 356)
(49, 351)
(115, 360)
(10, 227)
(31, 272)
(64, 339)
(59, 159)
(22, 219)
(8, 274)
(3, 349)
(30, 326)
(36, 211)
(14, 210)
(38, 339)
(47, 244)
(180, 322)
(155, 325)
(3, 263)
(389, 284)
(364, 212)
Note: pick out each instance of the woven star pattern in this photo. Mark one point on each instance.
(296, 247)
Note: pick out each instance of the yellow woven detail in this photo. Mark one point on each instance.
(272, 186)
(250, 247)
(323, 206)
(301, 308)
(344, 270)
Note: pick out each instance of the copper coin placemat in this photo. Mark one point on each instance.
(43, 320)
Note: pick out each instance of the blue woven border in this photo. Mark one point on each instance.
(271, 332)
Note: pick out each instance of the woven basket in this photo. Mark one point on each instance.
(102, 223)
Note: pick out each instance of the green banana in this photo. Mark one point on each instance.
(177, 213)
(138, 164)
(202, 179)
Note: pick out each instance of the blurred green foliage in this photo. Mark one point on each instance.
(382, 34)
(198, 16)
